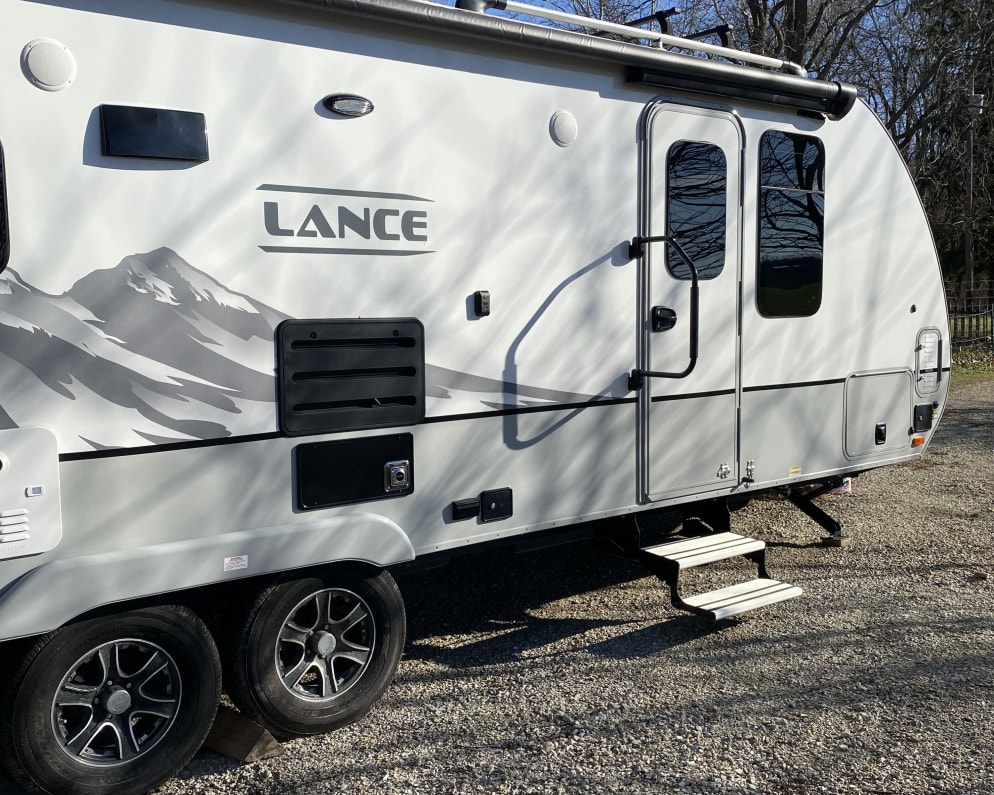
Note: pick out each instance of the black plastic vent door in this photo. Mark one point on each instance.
(127, 131)
(341, 375)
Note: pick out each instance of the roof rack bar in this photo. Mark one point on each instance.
(723, 32)
(662, 18)
(663, 39)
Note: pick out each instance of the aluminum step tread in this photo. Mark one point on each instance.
(706, 549)
(743, 596)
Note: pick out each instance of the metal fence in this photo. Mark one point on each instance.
(971, 313)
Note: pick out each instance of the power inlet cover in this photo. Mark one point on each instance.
(396, 476)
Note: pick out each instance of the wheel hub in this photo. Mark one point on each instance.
(323, 643)
(116, 700)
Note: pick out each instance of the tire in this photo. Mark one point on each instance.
(315, 654)
(111, 705)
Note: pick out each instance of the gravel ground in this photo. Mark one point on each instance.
(565, 671)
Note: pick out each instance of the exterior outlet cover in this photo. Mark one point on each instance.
(496, 505)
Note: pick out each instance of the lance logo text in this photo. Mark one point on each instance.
(331, 221)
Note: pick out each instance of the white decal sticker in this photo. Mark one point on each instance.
(236, 562)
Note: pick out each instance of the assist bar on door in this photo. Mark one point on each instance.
(636, 249)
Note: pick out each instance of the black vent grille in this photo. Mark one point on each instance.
(338, 375)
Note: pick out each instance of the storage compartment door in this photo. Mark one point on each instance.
(879, 414)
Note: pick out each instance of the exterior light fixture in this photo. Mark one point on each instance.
(348, 105)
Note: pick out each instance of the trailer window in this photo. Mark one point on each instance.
(791, 224)
(696, 196)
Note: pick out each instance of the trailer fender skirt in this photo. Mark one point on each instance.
(54, 593)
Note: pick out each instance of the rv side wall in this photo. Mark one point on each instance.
(162, 281)
(219, 286)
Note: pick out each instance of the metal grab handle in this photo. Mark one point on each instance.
(636, 249)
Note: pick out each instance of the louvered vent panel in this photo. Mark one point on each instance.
(338, 375)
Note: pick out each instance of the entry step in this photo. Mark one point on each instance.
(742, 597)
(706, 549)
(668, 560)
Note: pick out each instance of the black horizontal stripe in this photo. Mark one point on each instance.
(475, 415)
(472, 415)
(91, 455)
(116, 452)
(692, 396)
(794, 385)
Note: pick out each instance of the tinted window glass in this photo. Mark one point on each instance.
(696, 186)
(792, 161)
(791, 224)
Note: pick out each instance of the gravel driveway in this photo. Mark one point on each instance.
(566, 671)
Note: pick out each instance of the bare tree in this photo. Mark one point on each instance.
(916, 62)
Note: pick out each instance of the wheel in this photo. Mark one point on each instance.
(315, 654)
(115, 704)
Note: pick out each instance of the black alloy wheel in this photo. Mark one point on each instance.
(115, 704)
(315, 654)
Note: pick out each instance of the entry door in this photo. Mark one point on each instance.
(690, 191)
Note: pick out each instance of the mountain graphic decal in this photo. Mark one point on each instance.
(154, 351)
(150, 351)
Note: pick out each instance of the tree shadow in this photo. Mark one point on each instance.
(478, 609)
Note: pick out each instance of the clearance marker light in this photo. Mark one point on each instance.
(917, 441)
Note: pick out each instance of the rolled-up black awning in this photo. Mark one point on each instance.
(649, 66)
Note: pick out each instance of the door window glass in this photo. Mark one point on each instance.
(791, 224)
(696, 188)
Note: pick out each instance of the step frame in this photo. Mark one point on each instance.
(668, 569)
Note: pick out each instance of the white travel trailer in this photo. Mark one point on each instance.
(297, 292)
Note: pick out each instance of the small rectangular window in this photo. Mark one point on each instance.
(791, 224)
(696, 189)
